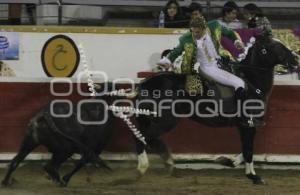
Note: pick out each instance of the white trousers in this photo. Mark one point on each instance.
(222, 76)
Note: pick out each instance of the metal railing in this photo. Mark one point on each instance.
(207, 4)
(156, 3)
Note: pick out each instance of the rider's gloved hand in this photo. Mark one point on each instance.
(239, 44)
(297, 57)
(224, 63)
(295, 67)
(165, 63)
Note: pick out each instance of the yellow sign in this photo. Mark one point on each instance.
(60, 57)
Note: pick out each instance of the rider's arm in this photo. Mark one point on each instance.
(177, 51)
(229, 33)
(234, 36)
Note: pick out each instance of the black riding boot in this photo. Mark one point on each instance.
(245, 121)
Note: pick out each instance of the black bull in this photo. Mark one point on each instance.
(64, 136)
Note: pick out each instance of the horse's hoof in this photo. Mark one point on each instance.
(58, 183)
(64, 182)
(225, 161)
(107, 169)
(256, 179)
(13, 180)
(6, 183)
(88, 180)
(47, 176)
(138, 175)
(176, 174)
(170, 168)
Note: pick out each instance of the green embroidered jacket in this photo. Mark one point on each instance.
(188, 45)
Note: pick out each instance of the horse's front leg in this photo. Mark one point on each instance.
(159, 147)
(143, 162)
(247, 140)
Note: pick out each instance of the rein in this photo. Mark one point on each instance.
(249, 67)
(243, 56)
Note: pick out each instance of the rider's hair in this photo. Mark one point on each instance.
(198, 22)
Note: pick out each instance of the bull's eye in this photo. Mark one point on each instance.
(264, 51)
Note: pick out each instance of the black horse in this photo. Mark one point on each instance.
(163, 93)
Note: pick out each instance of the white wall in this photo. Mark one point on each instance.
(119, 55)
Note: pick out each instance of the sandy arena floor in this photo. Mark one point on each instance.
(30, 179)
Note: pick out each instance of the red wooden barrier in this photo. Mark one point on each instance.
(20, 101)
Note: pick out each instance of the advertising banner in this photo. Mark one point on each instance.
(9, 46)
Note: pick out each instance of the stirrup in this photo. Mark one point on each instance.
(253, 122)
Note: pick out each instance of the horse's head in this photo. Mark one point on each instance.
(261, 59)
(271, 52)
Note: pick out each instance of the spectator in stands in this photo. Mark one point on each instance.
(174, 17)
(229, 16)
(252, 13)
(31, 9)
(14, 13)
(195, 10)
(256, 19)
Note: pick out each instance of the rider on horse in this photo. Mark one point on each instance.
(217, 31)
(200, 46)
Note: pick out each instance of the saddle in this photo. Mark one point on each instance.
(205, 86)
(202, 85)
(195, 82)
